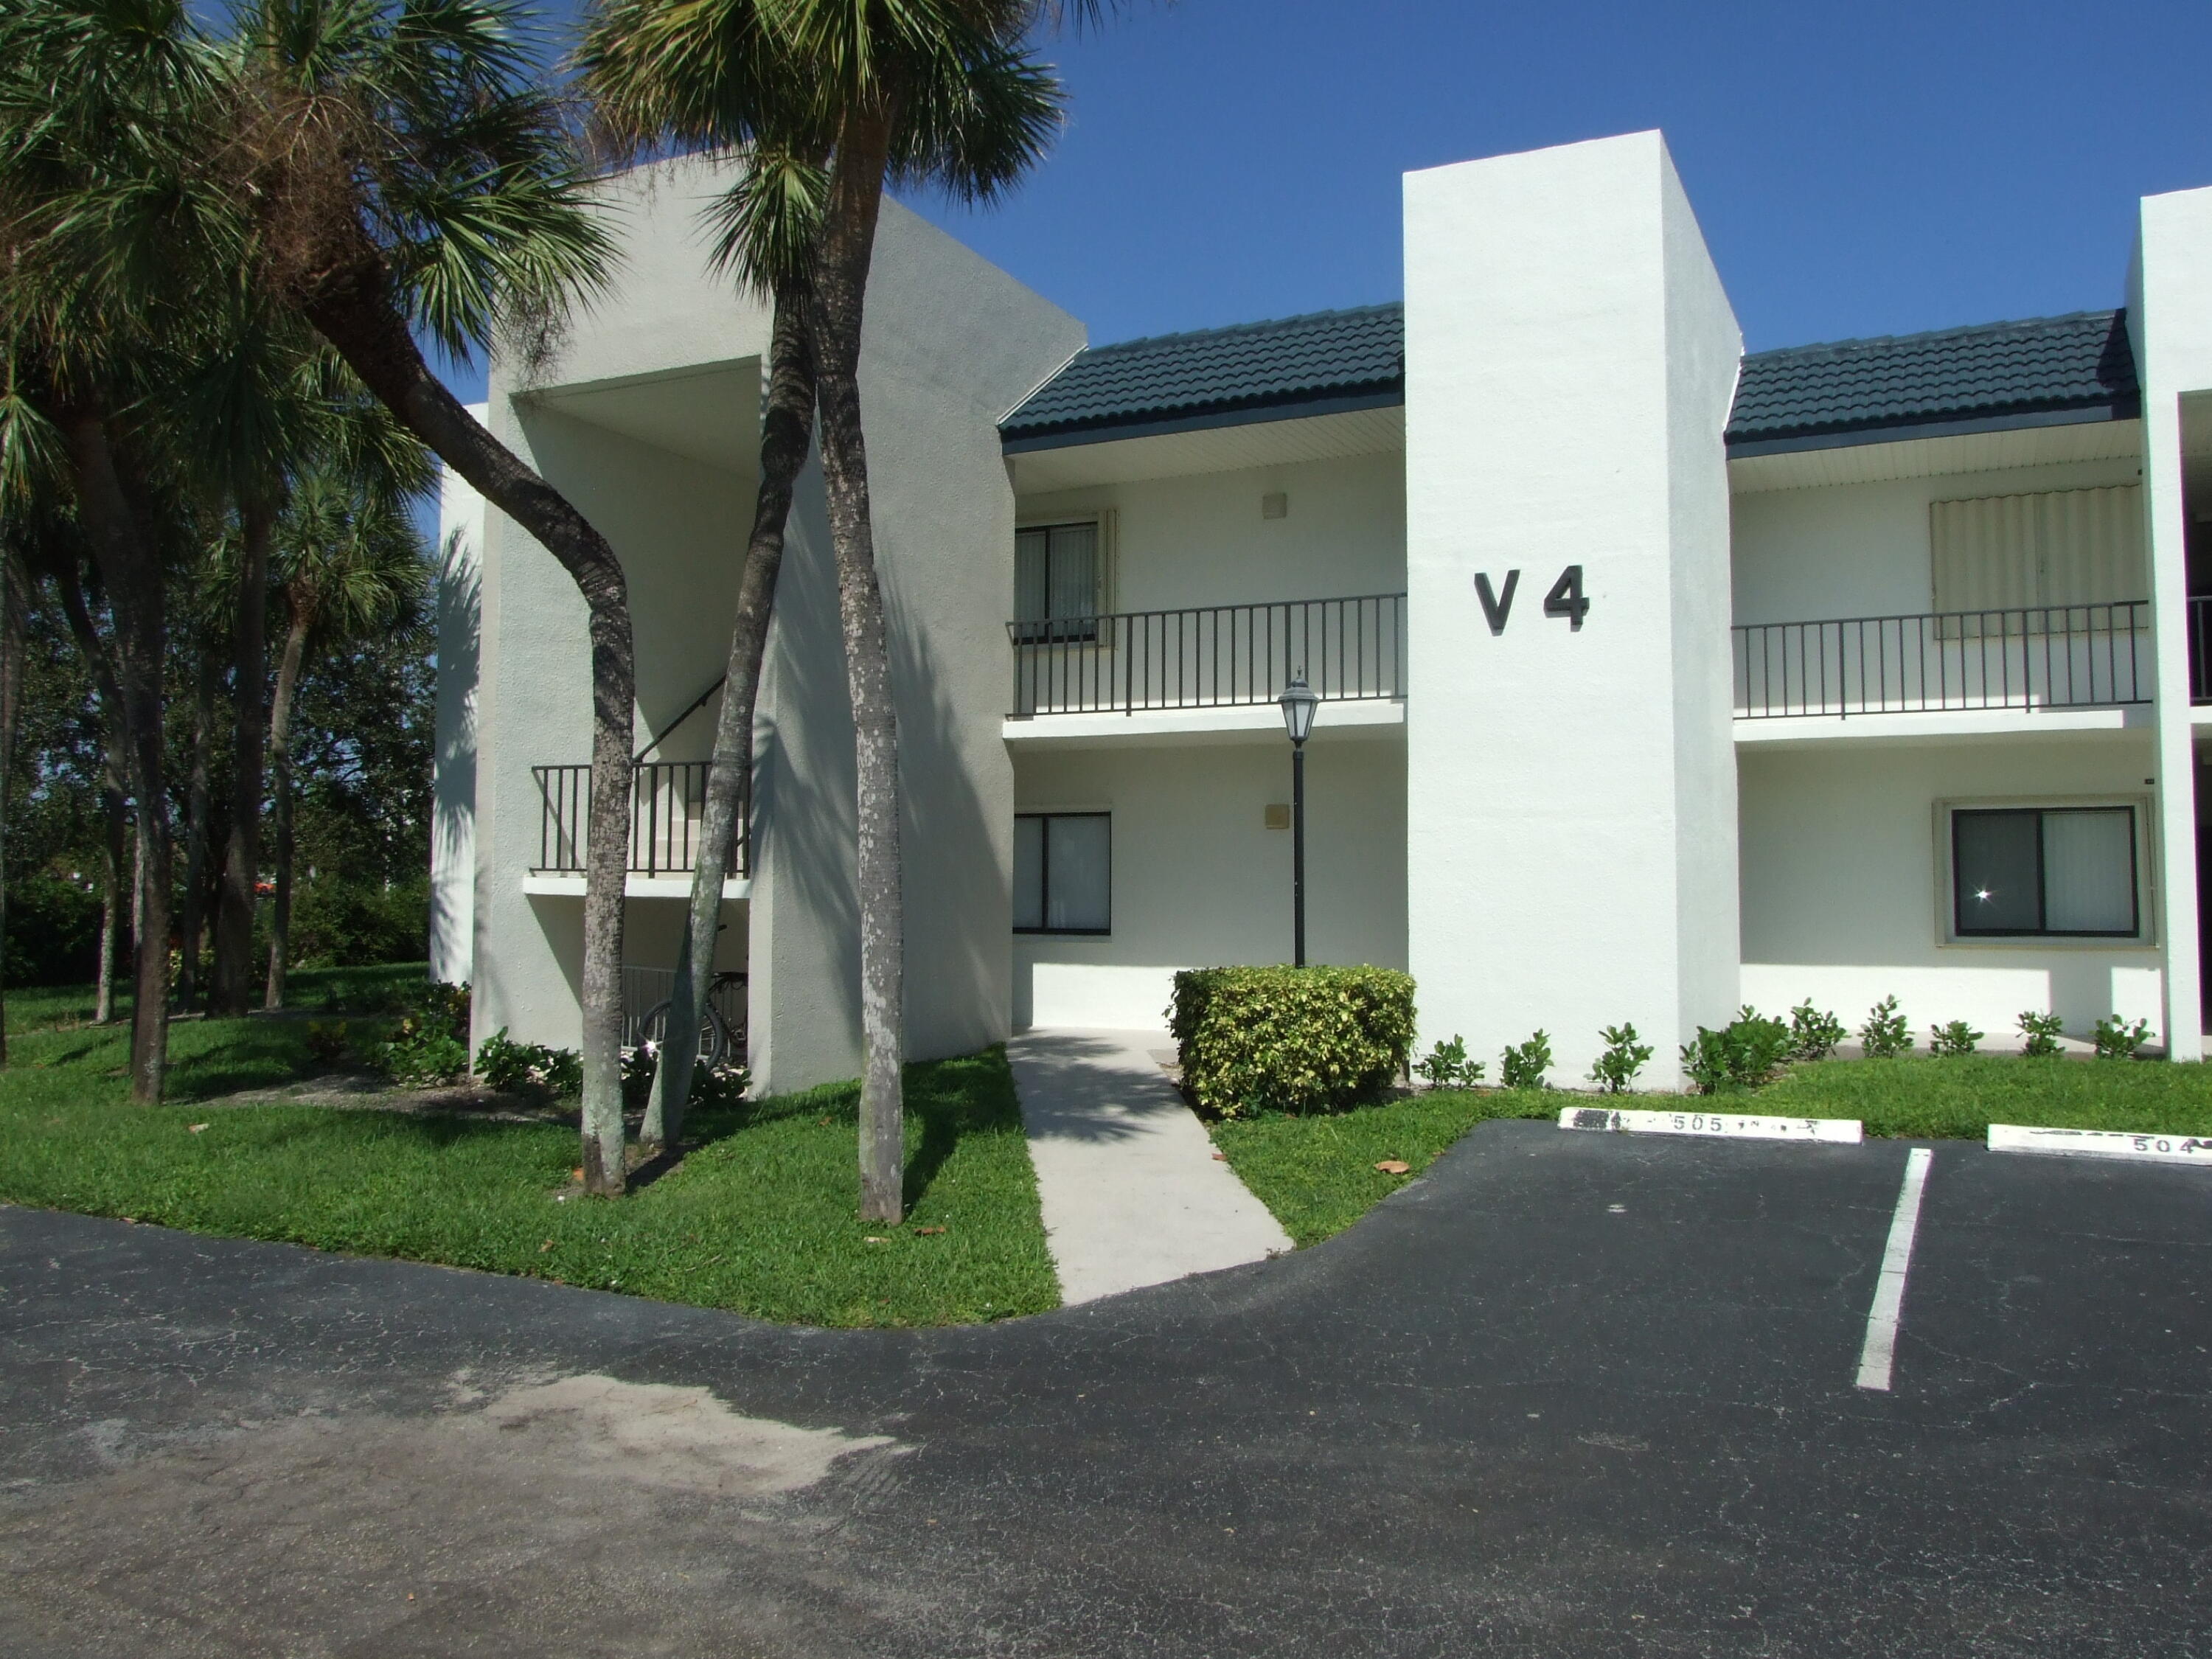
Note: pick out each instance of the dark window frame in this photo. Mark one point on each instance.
(2134, 930)
(1044, 876)
(1061, 631)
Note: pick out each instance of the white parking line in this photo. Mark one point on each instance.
(1880, 1350)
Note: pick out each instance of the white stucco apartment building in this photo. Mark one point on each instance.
(1657, 677)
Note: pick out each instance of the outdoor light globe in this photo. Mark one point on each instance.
(1299, 701)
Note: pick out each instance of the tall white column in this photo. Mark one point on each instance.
(2170, 322)
(1570, 358)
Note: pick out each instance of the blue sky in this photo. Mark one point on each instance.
(1863, 169)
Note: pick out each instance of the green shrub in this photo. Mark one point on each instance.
(1953, 1037)
(1624, 1057)
(1743, 1054)
(1290, 1039)
(2042, 1032)
(53, 930)
(1884, 1035)
(430, 1045)
(1813, 1034)
(2117, 1040)
(514, 1067)
(327, 1043)
(340, 922)
(1523, 1066)
(1448, 1067)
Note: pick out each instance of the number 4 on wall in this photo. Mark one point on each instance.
(1566, 599)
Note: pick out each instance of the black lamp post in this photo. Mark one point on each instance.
(1299, 702)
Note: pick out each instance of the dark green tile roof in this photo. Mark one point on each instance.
(2047, 370)
(1995, 374)
(1333, 359)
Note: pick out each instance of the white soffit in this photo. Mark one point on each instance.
(1930, 458)
(1210, 449)
(710, 414)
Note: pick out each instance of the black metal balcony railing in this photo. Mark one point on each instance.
(666, 800)
(1212, 657)
(2073, 656)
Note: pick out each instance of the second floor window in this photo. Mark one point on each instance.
(1056, 582)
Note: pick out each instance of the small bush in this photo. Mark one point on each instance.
(327, 1043)
(1884, 1035)
(2042, 1032)
(340, 921)
(417, 1057)
(1624, 1057)
(1813, 1034)
(724, 1085)
(1953, 1037)
(1447, 1066)
(1743, 1054)
(1290, 1039)
(514, 1067)
(2116, 1039)
(1523, 1066)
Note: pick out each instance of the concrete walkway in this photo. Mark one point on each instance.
(1132, 1191)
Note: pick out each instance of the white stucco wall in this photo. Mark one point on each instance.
(1570, 358)
(1846, 902)
(951, 343)
(453, 753)
(2170, 320)
(1200, 880)
(1863, 550)
(1201, 540)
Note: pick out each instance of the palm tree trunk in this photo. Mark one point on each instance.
(847, 242)
(280, 767)
(114, 773)
(354, 311)
(15, 623)
(241, 862)
(131, 568)
(787, 432)
(196, 810)
(114, 828)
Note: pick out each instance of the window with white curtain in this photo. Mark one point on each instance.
(2052, 548)
(1063, 873)
(2044, 871)
(1056, 581)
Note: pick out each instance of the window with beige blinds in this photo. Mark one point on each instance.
(2058, 547)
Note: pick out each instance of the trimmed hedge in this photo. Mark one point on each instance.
(1291, 1039)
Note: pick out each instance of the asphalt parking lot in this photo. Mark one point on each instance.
(1572, 1394)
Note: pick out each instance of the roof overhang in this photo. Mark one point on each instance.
(1279, 439)
(1929, 452)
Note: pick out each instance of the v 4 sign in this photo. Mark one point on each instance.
(1565, 600)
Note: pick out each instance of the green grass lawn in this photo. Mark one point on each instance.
(760, 1219)
(1961, 1095)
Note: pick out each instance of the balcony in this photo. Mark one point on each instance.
(2036, 658)
(667, 798)
(1222, 657)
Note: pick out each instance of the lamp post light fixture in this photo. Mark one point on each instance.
(1299, 702)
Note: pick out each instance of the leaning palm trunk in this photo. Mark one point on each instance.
(230, 992)
(132, 572)
(280, 766)
(847, 241)
(353, 310)
(197, 809)
(786, 423)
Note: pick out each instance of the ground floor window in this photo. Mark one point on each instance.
(2042, 871)
(1063, 873)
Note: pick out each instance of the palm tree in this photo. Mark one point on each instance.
(352, 567)
(394, 165)
(930, 91)
(651, 89)
(96, 308)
